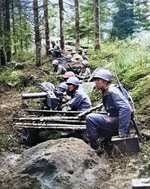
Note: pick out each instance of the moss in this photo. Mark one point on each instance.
(4, 143)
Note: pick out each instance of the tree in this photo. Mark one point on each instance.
(37, 33)
(123, 19)
(86, 20)
(142, 14)
(97, 24)
(46, 27)
(61, 12)
(77, 25)
(7, 31)
(20, 26)
(1, 21)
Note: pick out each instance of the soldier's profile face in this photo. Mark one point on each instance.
(71, 87)
(99, 83)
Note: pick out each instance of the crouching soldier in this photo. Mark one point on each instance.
(62, 89)
(79, 99)
(85, 72)
(58, 68)
(118, 111)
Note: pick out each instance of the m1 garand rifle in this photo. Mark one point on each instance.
(82, 115)
(125, 93)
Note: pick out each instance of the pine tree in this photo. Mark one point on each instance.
(123, 19)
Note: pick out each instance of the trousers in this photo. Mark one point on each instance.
(99, 125)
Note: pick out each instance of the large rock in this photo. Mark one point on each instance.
(67, 163)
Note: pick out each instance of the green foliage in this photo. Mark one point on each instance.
(95, 97)
(49, 134)
(23, 56)
(10, 77)
(4, 143)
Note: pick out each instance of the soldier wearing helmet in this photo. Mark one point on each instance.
(68, 74)
(79, 99)
(118, 111)
(58, 68)
(62, 92)
(85, 72)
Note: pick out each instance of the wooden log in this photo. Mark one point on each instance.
(50, 126)
(44, 118)
(51, 120)
(34, 95)
(52, 111)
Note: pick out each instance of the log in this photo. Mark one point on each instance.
(52, 120)
(45, 118)
(50, 126)
(34, 95)
(52, 111)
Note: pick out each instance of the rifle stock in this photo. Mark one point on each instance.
(89, 110)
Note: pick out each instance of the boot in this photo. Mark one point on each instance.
(94, 143)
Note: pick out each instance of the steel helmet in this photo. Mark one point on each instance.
(69, 56)
(63, 85)
(55, 62)
(85, 62)
(73, 81)
(103, 74)
(68, 74)
(77, 56)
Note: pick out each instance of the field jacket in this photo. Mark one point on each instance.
(116, 105)
(79, 99)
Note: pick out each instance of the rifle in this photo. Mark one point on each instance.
(83, 114)
(124, 92)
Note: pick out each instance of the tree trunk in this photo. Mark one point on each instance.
(37, 33)
(97, 24)
(46, 27)
(1, 23)
(7, 32)
(61, 12)
(13, 27)
(20, 22)
(77, 25)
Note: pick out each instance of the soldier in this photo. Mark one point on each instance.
(117, 120)
(62, 89)
(82, 53)
(58, 68)
(56, 52)
(79, 99)
(68, 74)
(85, 72)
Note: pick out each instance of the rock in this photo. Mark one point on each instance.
(64, 163)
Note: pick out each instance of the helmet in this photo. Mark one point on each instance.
(63, 85)
(73, 81)
(55, 62)
(73, 52)
(69, 74)
(103, 74)
(85, 62)
(69, 56)
(77, 56)
(80, 49)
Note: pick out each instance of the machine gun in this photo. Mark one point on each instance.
(51, 98)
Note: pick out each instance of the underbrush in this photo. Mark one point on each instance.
(23, 56)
